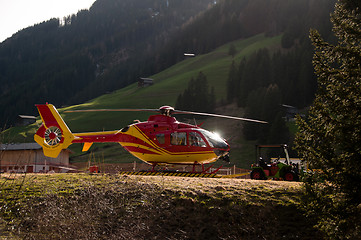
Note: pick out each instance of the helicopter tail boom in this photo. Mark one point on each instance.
(53, 135)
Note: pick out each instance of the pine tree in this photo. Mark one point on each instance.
(330, 139)
(232, 88)
(197, 97)
(232, 50)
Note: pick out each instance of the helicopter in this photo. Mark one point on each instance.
(160, 140)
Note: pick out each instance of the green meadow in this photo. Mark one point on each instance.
(168, 84)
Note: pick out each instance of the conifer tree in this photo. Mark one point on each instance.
(330, 139)
(232, 50)
(232, 88)
(197, 97)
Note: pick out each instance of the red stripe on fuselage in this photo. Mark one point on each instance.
(97, 138)
(139, 150)
(118, 137)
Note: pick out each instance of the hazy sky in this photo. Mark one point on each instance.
(18, 14)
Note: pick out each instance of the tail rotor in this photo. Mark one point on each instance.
(53, 135)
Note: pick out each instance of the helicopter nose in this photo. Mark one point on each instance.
(223, 151)
(222, 154)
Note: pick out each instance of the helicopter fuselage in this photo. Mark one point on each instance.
(164, 140)
(160, 140)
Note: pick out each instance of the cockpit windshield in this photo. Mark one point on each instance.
(213, 139)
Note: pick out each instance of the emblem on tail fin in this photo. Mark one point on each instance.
(53, 135)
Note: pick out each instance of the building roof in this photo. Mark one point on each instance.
(23, 146)
(27, 117)
(19, 146)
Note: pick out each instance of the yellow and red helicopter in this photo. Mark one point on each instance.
(160, 140)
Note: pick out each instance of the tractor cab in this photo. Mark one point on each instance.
(274, 164)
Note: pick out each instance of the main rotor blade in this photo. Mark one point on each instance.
(165, 108)
(114, 110)
(217, 115)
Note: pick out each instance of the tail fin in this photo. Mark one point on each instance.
(53, 135)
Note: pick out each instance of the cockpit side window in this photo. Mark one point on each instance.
(178, 138)
(160, 138)
(196, 140)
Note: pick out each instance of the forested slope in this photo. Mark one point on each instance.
(82, 56)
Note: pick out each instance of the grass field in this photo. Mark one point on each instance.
(168, 84)
(83, 206)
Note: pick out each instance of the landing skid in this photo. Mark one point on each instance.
(204, 171)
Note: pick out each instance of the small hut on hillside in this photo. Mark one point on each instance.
(145, 82)
(24, 120)
(29, 158)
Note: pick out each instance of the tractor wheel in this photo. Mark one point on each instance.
(257, 174)
(290, 176)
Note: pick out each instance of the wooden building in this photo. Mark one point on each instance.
(29, 157)
(24, 120)
(145, 82)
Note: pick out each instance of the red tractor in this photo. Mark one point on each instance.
(276, 168)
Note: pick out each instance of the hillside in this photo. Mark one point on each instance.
(265, 71)
(167, 86)
(63, 60)
(82, 206)
(71, 60)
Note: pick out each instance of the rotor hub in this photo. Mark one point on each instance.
(52, 136)
(166, 110)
